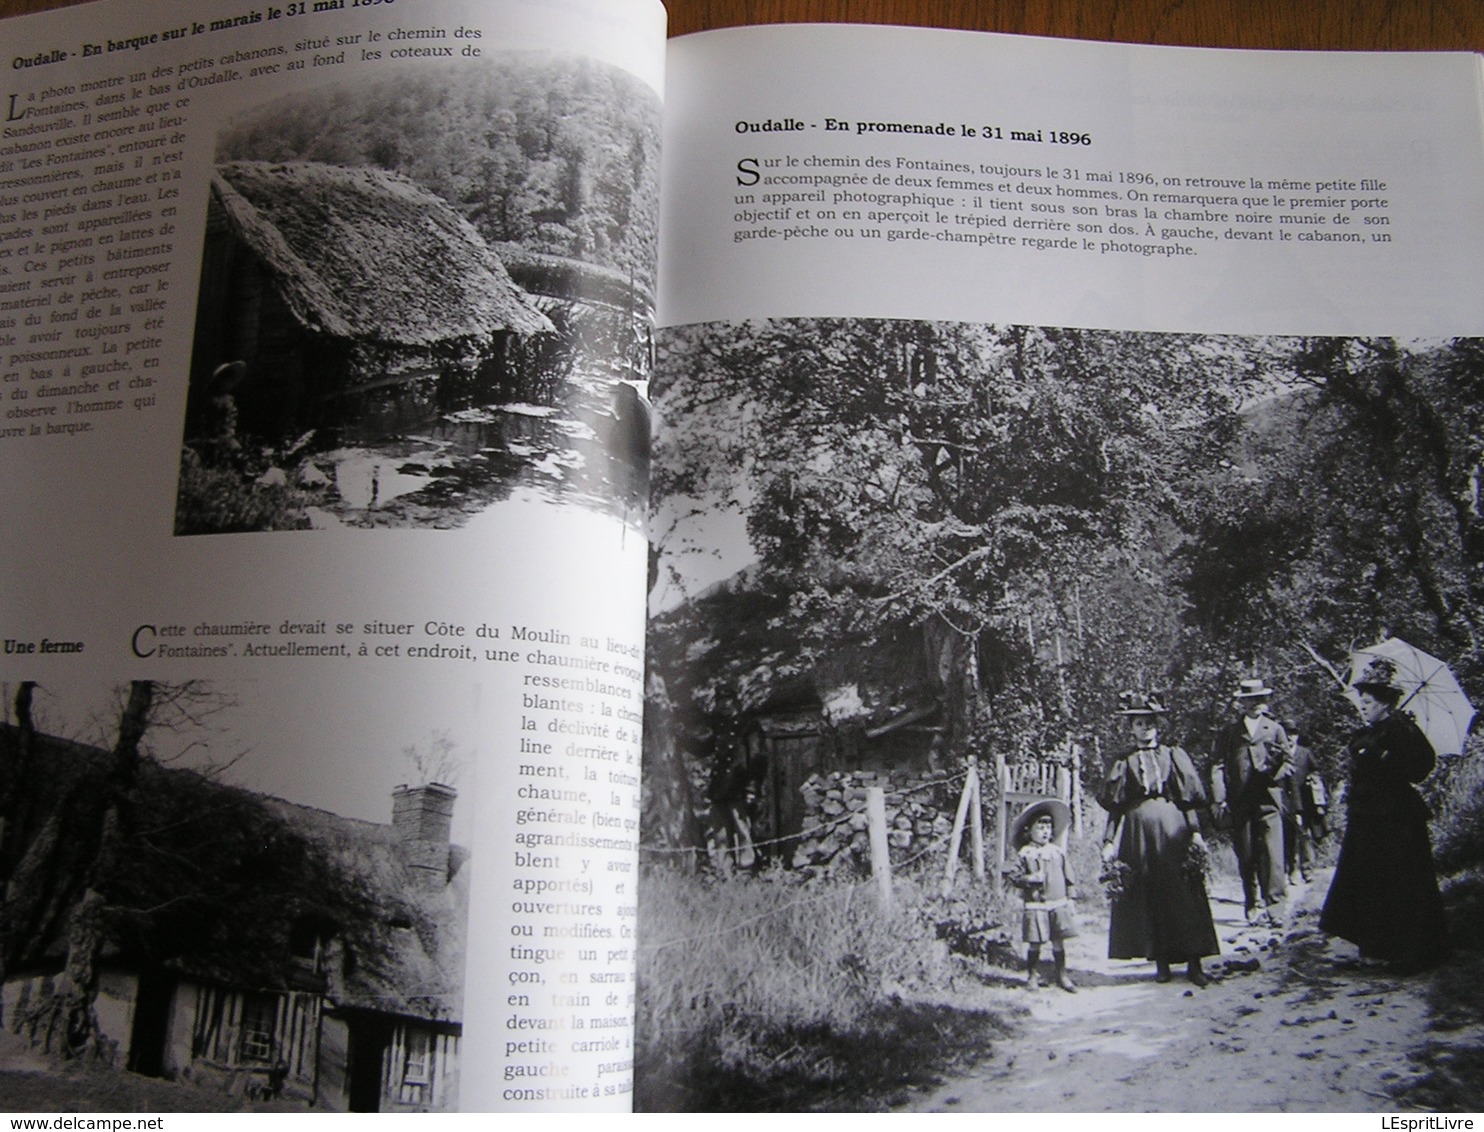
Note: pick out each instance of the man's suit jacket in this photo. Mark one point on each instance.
(1296, 796)
(1248, 771)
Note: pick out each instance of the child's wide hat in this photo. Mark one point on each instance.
(1061, 817)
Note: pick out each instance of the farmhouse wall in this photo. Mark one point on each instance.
(334, 1081)
(179, 1027)
(114, 1005)
(117, 992)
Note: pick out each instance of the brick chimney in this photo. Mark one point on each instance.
(422, 817)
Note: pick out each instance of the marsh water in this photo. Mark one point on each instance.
(406, 465)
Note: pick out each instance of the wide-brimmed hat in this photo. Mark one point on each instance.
(1061, 818)
(1252, 689)
(1140, 703)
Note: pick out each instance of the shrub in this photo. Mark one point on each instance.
(1456, 793)
(757, 988)
(218, 499)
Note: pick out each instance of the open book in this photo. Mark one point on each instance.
(367, 395)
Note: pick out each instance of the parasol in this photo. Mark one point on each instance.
(1430, 692)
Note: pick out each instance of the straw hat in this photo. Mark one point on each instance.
(1252, 689)
(1061, 818)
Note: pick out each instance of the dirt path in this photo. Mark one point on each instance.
(1290, 1022)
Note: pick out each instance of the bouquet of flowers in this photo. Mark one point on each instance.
(1114, 878)
(1196, 867)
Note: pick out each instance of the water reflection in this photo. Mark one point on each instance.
(439, 470)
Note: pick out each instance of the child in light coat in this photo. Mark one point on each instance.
(1043, 875)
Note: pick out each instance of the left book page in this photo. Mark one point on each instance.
(324, 345)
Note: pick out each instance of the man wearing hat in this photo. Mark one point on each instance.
(1249, 765)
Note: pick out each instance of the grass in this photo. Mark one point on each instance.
(868, 1067)
(765, 994)
(214, 500)
(1456, 794)
(769, 995)
(32, 1082)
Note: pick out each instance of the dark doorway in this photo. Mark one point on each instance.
(151, 1024)
(369, 1041)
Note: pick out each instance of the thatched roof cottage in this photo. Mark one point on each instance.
(766, 716)
(319, 282)
(247, 943)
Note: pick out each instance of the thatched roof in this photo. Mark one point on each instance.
(565, 278)
(220, 880)
(735, 647)
(367, 255)
(409, 956)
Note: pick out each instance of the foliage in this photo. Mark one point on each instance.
(436, 759)
(1456, 793)
(1082, 510)
(761, 994)
(1009, 491)
(560, 155)
(217, 498)
(1352, 511)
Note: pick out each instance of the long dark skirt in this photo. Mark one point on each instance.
(1384, 897)
(1162, 913)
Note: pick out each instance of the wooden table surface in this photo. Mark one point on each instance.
(1362, 25)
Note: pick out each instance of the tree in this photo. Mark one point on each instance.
(73, 846)
(560, 155)
(436, 760)
(957, 481)
(1352, 511)
(59, 867)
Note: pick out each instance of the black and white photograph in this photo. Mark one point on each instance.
(1053, 719)
(232, 899)
(423, 295)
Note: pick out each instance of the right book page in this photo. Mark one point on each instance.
(819, 169)
(1000, 377)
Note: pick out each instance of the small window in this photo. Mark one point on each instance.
(259, 1013)
(415, 1068)
(309, 940)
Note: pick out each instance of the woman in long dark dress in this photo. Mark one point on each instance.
(1153, 793)
(1384, 897)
